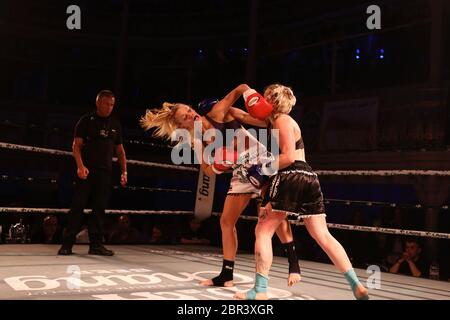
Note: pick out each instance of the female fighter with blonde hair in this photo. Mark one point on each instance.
(173, 116)
(293, 192)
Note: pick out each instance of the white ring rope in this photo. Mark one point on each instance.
(350, 227)
(429, 234)
(133, 188)
(346, 202)
(112, 211)
(319, 172)
(380, 203)
(67, 153)
(440, 173)
(5, 177)
(416, 233)
(383, 173)
(149, 144)
(60, 131)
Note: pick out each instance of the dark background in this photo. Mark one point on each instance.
(148, 52)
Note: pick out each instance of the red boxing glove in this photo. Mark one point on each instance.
(223, 160)
(256, 105)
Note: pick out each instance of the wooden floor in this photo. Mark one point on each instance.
(173, 272)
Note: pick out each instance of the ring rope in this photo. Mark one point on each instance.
(59, 131)
(384, 173)
(67, 153)
(5, 177)
(347, 202)
(149, 144)
(383, 204)
(440, 173)
(151, 189)
(350, 227)
(429, 234)
(416, 233)
(111, 211)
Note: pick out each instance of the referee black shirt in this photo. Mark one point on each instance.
(100, 135)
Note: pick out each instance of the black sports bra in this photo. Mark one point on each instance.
(223, 126)
(298, 144)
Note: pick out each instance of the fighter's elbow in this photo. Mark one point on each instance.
(244, 86)
(207, 170)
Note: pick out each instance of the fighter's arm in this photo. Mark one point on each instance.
(244, 117)
(198, 151)
(220, 110)
(286, 141)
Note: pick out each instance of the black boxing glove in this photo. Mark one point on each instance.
(205, 106)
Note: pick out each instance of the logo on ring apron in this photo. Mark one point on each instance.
(205, 195)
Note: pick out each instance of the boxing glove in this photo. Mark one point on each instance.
(224, 159)
(205, 106)
(256, 105)
(259, 174)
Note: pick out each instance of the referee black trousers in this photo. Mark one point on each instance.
(97, 188)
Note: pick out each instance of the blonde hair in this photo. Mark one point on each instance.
(163, 119)
(281, 97)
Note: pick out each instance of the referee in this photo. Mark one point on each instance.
(97, 136)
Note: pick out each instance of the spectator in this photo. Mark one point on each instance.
(83, 235)
(51, 229)
(125, 233)
(411, 263)
(49, 233)
(362, 244)
(394, 242)
(193, 233)
(157, 235)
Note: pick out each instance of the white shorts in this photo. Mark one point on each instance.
(240, 185)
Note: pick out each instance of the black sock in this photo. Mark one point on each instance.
(225, 275)
(289, 249)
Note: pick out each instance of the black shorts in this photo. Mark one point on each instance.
(296, 191)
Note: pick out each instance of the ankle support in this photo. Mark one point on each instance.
(289, 249)
(225, 275)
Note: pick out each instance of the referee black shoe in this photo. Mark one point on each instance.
(100, 251)
(65, 251)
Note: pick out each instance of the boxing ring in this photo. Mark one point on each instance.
(173, 272)
(154, 273)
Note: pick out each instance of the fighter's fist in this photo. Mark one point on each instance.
(259, 174)
(205, 106)
(256, 105)
(224, 159)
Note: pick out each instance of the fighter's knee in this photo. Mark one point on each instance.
(258, 230)
(322, 237)
(262, 233)
(226, 223)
